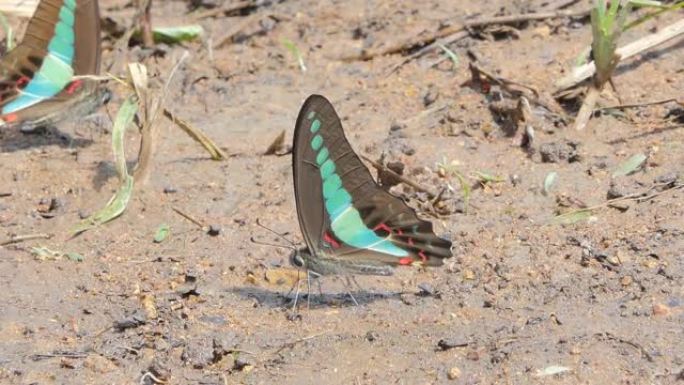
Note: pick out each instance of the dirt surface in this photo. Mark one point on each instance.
(599, 300)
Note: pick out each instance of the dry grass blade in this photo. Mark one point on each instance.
(199, 136)
(22, 8)
(152, 105)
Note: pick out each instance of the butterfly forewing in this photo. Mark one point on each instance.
(342, 211)
(61, 41)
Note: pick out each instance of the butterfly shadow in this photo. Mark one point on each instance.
(313, 299)
(13, 140)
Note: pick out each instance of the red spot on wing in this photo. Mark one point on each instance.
(406, 261)
(76, 84)
(422, 256)
(11, 118)
(399, 232)
(22, 81)
(330, 240)
(410, 241)
(384, 227)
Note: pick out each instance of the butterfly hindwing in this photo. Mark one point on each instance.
(61, 41)
(343, 213)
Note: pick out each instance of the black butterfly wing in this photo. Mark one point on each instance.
(34, 82)
(342, 212)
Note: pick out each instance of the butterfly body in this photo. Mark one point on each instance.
(350, 224)
(41, 79)
(323, 264)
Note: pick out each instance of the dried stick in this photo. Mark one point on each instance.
(189, 217)
(240, 5)
(148, 131)
(645, 43)
(145, 9)
(431, 194)
(225, 39)
(23, 238)
(459, 28)
(638, 105)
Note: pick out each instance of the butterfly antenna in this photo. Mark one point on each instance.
(272, 244)
(281, 236)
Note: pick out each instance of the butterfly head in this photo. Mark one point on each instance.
(299, 258)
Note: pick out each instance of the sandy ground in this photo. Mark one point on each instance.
(599, 300)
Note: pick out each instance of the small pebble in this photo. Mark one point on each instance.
(626, 280)
(454, 373)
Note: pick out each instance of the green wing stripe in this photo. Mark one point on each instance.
(346, 222)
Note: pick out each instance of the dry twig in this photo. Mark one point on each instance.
(431, 194)
(433, 38)
(23, 238)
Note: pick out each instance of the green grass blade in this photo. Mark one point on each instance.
(117, 205)
(294, 50)
(450, 54)
(124, 118)
(465, 190)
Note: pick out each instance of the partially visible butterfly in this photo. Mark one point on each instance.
(37, 78)
(351, 225)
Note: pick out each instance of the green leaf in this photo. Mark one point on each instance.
(485, 177)
(162, 233)
(44, 254)
(572, 217)
(76, 257)
(175, 35)
(630, 165)
(118, 203)
(549, 181)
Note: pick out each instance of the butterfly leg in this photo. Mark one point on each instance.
(353, 279)
(349, 279)
(293, 286)
(294, 306)
(308, 290)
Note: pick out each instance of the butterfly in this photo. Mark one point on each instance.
(350, 225)
(38, 84)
